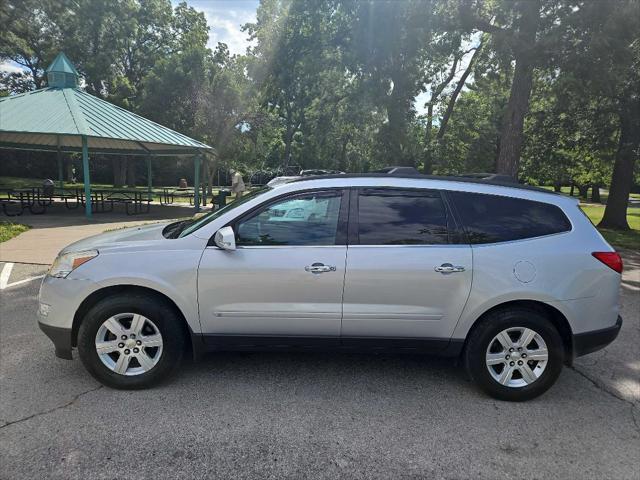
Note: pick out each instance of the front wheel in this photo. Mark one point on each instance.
(131, 341)
(515, 354)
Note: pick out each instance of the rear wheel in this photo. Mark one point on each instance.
(131, 341)
(515, 354)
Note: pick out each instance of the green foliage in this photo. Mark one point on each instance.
(333, 83)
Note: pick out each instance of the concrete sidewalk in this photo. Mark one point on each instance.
(59, 227)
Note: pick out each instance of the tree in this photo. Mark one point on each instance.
(387, 51)
(530, 30)
(31, 34)
(221, 105)
(15, 82)
(287, 60)
(614, 51)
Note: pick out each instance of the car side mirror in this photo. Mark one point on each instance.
(225, 238)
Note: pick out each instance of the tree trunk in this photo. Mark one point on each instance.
(511, 136)
(615, 213)
(342, 160)
(557, 187)
(211, 167)
(288, 140)
(119, 171)
(428, 143)
(595, 193)
(131, 172)
(435, 94)
(573, 188)
(395, 134)
(454, 96)
(583, 191)
(69, 165)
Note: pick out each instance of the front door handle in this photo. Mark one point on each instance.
(449, 268)
(319, 268)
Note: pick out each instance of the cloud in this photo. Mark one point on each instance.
(225, 19)
(10, 67)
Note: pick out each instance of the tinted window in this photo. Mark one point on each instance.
(401, 217)
(308, 219)
(492, 218)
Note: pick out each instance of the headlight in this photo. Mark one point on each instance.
(68, 262)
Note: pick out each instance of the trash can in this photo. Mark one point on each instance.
(47, 187)
(221, 198)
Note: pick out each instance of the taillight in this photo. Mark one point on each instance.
(610, 259)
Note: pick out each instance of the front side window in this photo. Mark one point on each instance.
(306, 219)
(186, 227)
(401, 217)
(493, 218)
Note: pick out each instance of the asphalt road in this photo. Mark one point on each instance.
(277, 415)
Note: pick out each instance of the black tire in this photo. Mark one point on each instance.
(492, 325)
(162, 315)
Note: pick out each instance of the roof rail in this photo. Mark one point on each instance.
(397, 171)
(497, 181)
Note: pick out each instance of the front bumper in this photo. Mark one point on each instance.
(59, 300)
(584, 343)
(61, 338)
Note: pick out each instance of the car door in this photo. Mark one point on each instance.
(284, 281)
(407, 274)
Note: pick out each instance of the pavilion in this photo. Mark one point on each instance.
(63, 118)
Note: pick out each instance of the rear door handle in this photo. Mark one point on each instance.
(319, 268)
(449, 268)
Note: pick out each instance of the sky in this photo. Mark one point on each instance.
(225, 18)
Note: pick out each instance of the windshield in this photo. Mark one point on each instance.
(189, 226)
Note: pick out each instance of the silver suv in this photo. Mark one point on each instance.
(513, 280)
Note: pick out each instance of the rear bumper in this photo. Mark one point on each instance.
(584, 343)
(61, 338)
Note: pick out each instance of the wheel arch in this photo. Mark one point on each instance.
(105, 292)
(556, 317)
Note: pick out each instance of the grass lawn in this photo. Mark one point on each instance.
(9, 230)
(629, 239)
(604, 194)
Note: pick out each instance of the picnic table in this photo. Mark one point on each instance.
(15, 201)
(169, 195)
(135, 201)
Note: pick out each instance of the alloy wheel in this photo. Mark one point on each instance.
(129, 344)
(517, 357)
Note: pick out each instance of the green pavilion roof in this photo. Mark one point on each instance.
(62, 64)
(57, 117)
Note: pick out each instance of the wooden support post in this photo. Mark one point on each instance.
(149, 178)
(86, 177)
(60, 167)
(196, 182)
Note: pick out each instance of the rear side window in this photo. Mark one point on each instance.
(493, 218)
(401, 217)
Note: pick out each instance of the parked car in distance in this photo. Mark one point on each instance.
(512, 280)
